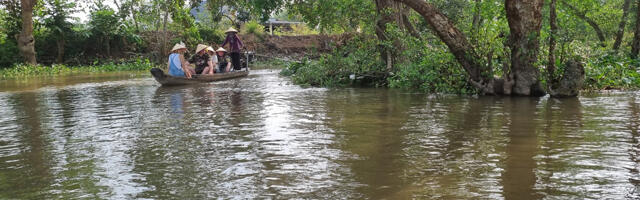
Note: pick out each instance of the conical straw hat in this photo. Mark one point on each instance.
(221, 49)
(210, 49)
(201, 47)
(178, 46)
(231, 29)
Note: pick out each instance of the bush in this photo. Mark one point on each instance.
(418, 68)
(358, 57)
(8, 45)
(10, 53)
(612, 71)
(297, 29)
(210, 35)
(253, 27)
(437, 71)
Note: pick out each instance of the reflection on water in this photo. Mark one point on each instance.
(262, 137)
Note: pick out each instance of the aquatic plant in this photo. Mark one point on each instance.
(24, 70)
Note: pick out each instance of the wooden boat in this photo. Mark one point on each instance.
(168, 80)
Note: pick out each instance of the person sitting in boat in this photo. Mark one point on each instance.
(213, 57)
(201, 60)
(176, 64)
(223, 64)
(235, 45)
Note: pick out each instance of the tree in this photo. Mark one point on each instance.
(551, 66)
(582, 15)
(521, 77)
(104, 24)
(388, 12)
(635, 45)
(335, 16)
(12, 20)
(525, 21)
(57, 13)
(26, 42)
(457, 42)
(623, 21)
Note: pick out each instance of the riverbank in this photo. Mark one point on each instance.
(271, 51)
(348, 60)
(21, 71)
(357, 62)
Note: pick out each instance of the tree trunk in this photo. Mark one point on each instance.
(479, 76)
(26, 42)
(623, 21)
(476, 16)
(635, 46)
(409, 26)
(133, 16)
(107, 42)
(570, 83)
(163, 46)
(388, 13)
(593, 24)
(525, 21)
(60, 44)
(551, 66)
(475, 23)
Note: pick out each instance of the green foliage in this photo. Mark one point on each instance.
(8, 46)
(184, 23)
(437, 71)
(431, 69)
(57, 13)
(253, 27)
(211, 35)
(23, 70)
(297, 29)
(10, 18)
(336, 16)
(423, 64)
(358, 57)
(9, 52)
(103, 22)
(612, 71)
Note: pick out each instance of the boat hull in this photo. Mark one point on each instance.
(168, 80)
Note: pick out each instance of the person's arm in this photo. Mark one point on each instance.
(240, 42)
(226, 40)
(187, 73)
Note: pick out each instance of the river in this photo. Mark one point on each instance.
(124, 137)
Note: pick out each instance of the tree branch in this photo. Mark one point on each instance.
(582, 15)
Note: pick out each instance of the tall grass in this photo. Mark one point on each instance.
(253, 27)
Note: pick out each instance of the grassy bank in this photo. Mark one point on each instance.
(22, 70)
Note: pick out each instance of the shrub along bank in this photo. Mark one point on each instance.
(434, 69)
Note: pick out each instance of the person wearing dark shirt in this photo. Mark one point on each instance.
(235, 46)
(202, 60)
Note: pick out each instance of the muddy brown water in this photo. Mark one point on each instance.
(123, 137)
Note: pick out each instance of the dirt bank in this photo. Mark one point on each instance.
(292, 47)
